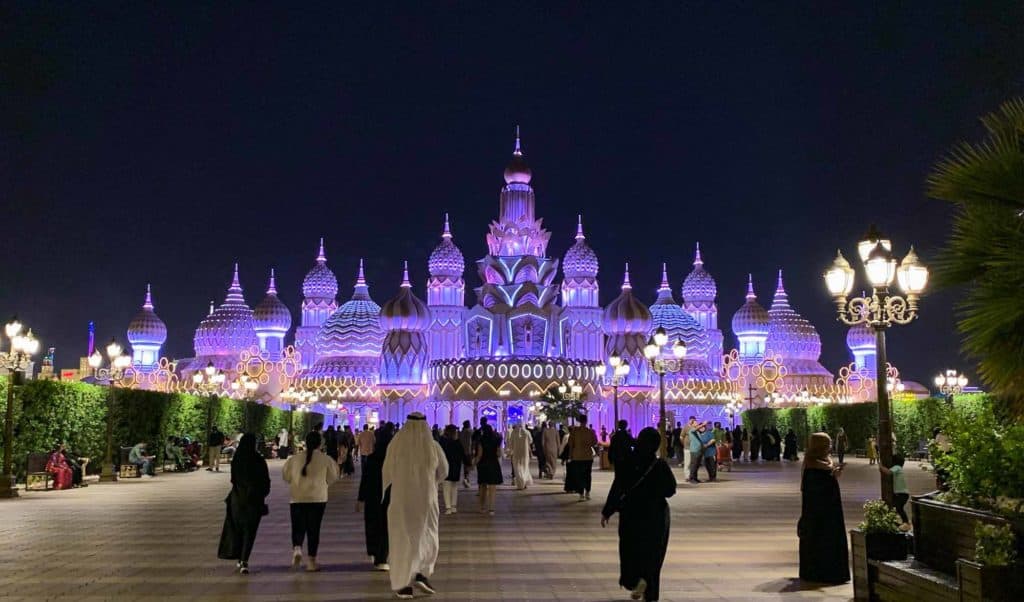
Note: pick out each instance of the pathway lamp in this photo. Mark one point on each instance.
(119, 362)
(880, 310)
(950, 383)
(620, 370)
(208, 381)
(654, 351)
(15, 362)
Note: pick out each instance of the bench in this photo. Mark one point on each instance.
(36, 477)
(125, 469)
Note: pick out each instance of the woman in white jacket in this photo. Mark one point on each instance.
(308, 474)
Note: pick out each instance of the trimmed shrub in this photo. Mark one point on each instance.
(759, 418)
(796, 419)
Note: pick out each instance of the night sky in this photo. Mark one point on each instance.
(159, 143)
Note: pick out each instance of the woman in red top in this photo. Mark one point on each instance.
(57, 466)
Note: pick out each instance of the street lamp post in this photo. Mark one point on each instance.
(661, 365)
(119, 362)
(208, 380)
(951, 383)
(732, 408)
(15, 361)
(880, 310)
(620, 370)
(243, 387)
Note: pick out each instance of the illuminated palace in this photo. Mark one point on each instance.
(537, 323)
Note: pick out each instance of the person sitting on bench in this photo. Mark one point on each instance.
(57, 466)
(174, 453)
(139, 458)
(77, 473)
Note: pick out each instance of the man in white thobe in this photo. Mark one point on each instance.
(413, 468)
(519, 443)
(552, 445)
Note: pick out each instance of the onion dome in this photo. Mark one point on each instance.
(271, 315)
(146, 327)
(750, 320)
(517, 171)
(580, 260)
(789, 334)
(861, 338)
(626, 314)
(405, 311)
(230, 328)
(320, 282)
(699, 286)
(354, 328)
(678, 324)
(446, 259)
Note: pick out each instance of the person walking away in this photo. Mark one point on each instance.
(842, 444)
(282, 444)
(901, 493)
(776, 445)
(331, 443)
(821, 529)
(376, 500)
(710, 446)
(674, 447)
(639, 494)
(745, 438)
(790, 453)
(621, 447)
(213, 444)
(346, 447)
(538, 449)
(250, 486)
(755, 445)
(308, 474)
(466, 439)
(456, 459)
(581, 457)
(551, 444)
(488, 467)
(735, 440)
(519, 445)
(364, 442)
(413, 468)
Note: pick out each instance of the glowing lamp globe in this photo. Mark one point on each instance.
(660, 337)
(869, 241)
(113, 349)
(839, 278)
(95, 359)
(679, 349)
(13, 328)
(197, 378)
(614, 360)
(880, 267)
(912, 275)
(31, 344)
(651, 349)
(622, 370)
(600, 370)
(940, 380)
(961, 381)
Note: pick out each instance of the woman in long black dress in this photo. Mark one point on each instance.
(250, 485)
(755, 445)
(822, 529)
(375, 502)
(488, 467)
(790, 453)
(638, 494)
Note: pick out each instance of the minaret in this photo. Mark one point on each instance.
(581, 331)
(272, 320)
(446, 294)
(627, 322)
(146, 334)
(699, 292)
(319, 292)
(750, 324)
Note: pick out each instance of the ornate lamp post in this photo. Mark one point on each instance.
(15, 361)
(880, 310)
(207, 381)
(119, 362)
(243, 387)
(620, 370)
(951, 383)
(735, 406)
(661, 365)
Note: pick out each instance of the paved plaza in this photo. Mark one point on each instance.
(156, 539)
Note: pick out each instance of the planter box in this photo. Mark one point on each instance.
(886, 546)
(979, 582)
(944, 533)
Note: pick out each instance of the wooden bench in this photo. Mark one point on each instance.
(36, 477)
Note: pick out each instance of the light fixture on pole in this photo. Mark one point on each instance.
(654, 351)
(734, 407)
(15, 362)
(880, 310)
(208, 381)
(620, 370)
(119, 362)
(950, 383)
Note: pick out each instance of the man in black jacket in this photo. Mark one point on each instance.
(620, 447)
(213, 445)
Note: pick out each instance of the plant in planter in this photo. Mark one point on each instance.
(882, 535)
(996, 545)
(993, 575)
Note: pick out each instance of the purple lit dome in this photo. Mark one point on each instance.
(860, 337)
(580, 260)
(626, 314)
(405, 311)
(750, 319)
(446, 259)
(354, 328)
(271, 315)
(699, 286)
(320, 282)
(517, 171)
(146, 327)
(678, 324)
(789, 334)
(230, 328)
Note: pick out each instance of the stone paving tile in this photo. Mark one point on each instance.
(156, 539)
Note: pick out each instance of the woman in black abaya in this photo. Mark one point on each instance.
(250, 485)
(822, 529)
(639, 494)
(375, 510)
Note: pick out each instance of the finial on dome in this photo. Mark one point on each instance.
(272, 287)
(625, 280)
(149, 299)
(211, 308)
(320, 256)
(447, 228)
(360, 277)
(518, 150)
(405, 274)
(779, 288)
(579, 227)
(235, 284)
(664, 277)
(750, 287)
(697, 261)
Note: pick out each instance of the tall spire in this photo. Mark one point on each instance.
(781, 299)
(272, 287)
(447, 228)
(697, 261)
(321, 257)
(750, 288)
(625, 280)
(234, 279)
(361, 277)
(518, 150)
(579, 227)
(779, 288)
(405, 274)
(664, 291)
(362, 291)
(664, 278)
(211, 308)
(149, 299)
(235, 290)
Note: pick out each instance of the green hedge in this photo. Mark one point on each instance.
(47, 412)
(796, 419)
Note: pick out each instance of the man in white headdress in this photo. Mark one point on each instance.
(413, 468)
(519, 444)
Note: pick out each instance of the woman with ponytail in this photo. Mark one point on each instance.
(308, 474)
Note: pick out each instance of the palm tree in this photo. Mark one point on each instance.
(985, 251)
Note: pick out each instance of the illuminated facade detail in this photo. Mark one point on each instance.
(446, 298)
(405, 356)
(750, 325)
(273, 320)
(227, 331)
(147, 334)
(580, 324)
(319, 302)
(699, 293)
(860, 339)
(627, 324)
(680, 325)
(796, 341)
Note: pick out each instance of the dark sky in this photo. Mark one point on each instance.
(146, 142)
